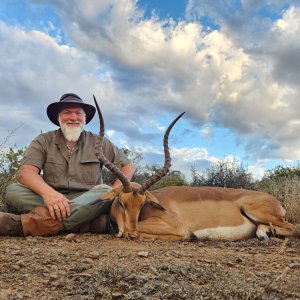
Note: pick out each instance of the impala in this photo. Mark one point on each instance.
(182, 212)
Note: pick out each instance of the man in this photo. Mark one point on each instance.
(59, 180)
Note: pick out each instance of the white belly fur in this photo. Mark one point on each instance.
(240, 232)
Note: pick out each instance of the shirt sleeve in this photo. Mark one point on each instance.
(35, 154)
(114, 154)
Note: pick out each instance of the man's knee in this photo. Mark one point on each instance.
(12, 194)
(20, 199)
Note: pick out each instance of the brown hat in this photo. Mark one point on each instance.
(54, 108)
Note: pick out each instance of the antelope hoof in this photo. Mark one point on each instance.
(263, 232)
(120, 234)
(133, 235)
(192, 236)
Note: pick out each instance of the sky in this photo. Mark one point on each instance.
(232, 65)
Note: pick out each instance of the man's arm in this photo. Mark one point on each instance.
(56, 202)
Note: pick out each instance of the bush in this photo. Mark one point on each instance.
(283, 182)
(142, 173)
(223, 174)
(280, 172)
(9, 163)
(287, 191)
(173, 178)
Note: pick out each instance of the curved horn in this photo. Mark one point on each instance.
(111, 167)
(162, 172)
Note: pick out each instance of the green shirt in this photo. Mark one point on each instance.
(66, 172)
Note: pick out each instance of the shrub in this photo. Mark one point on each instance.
(287, 191)
(280, 172)
(9, 163)
(171, 179)
(223, 174)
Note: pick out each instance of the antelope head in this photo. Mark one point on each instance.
(130, 197)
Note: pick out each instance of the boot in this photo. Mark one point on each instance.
(40, 223)
(98, 225)
(102, 225)
(10, 224)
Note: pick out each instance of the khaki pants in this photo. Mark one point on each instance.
(86, 207)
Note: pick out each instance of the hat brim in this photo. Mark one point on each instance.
(54, 108)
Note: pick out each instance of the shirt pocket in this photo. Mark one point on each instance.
(54, 170)
(90, 171)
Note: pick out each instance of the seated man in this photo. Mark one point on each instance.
(59, 180)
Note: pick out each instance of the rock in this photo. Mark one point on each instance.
(70, 237)
(88, 260)
(94, 254)
(239, 259)
(294, 265)
(117, 295)
(20, 263)
(143, 254)
(153, 270)
(16, 267)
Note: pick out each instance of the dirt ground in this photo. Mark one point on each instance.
(89, 266)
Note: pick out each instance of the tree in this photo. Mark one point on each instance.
(223, 174)
(280, 172)
(142, 173)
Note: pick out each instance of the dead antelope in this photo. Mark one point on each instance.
(181, 213)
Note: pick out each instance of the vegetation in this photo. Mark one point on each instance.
(284, 184)
(9, 162)
(283, 172)
(223, 174)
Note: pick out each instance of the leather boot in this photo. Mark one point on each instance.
(40, 223)
(98, 225)
(102, 225)
(10, 224)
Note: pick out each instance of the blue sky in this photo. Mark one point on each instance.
(232, 66)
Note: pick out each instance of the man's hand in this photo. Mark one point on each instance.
(58, 205)
(100, 185)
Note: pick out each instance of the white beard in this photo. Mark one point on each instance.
(71, 133)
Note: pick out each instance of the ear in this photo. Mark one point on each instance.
(153, 201)
(110, 195)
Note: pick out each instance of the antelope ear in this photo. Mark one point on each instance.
(153, 201)
(111, 194)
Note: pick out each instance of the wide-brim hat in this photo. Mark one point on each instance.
(54, 108)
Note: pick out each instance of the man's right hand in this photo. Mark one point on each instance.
(58, 205)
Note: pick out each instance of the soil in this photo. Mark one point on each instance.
(88, 266)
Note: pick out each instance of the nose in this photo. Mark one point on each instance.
(73, 116)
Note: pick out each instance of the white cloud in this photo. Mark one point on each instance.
(242, 75)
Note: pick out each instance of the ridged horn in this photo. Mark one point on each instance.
(110, 166)
(165, 169)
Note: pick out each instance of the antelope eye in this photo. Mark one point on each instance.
(121, 204)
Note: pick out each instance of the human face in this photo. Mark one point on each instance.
(72, 120)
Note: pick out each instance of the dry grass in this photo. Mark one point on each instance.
(287, 191)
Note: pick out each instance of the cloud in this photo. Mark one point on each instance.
(241, 75)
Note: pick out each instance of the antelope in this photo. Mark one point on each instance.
(186, 213)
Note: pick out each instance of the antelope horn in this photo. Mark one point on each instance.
(111, 167)
(162, 172)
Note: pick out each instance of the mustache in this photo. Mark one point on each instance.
(73, 122)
